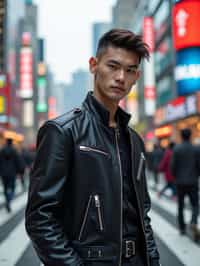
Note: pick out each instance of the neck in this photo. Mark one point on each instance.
(109, 105)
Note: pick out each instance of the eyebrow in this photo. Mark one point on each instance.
(112, 61)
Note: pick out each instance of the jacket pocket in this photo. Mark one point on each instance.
(91, 149)
(85, 218)
(94, 203)
(140, 167)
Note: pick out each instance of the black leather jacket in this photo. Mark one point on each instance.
(74, 211)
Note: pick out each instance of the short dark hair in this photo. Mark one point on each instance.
(186, 134)
(125, 39)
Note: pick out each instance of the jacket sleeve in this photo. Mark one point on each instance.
(150, 241)
(151, 244)
(44, 210)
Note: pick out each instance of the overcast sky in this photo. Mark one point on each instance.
(67, 27)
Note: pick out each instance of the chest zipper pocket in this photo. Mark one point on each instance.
(86, 148)
(140, 167)
(99, 211)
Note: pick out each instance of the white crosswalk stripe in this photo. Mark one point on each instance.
(181, 246)
(17, 205)
(14, 246)
(171, 208)
(16, 242)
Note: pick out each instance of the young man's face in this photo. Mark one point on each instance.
(115, 71)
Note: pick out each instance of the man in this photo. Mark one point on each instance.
(10, 166)
(156, 157)
(88, 199)
(184, 166)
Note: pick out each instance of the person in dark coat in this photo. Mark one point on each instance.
(10, 166)
(88, 202)
(185, 168)
(156, 157)
(164, 167)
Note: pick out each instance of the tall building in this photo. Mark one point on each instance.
(2, 33)
(122, 13)
(76, 91)
(98, 30)
(27, 71)
(41, 99)
(11, 11)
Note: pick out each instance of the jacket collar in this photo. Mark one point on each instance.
(102, 114)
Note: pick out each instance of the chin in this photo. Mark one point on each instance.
(116, 97)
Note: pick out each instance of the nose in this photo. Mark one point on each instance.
(120, 75)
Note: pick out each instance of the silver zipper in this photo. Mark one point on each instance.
(121, 180)
(98, 206)
(85, 218)
(141, 163)
(137, 198)
(86, 148)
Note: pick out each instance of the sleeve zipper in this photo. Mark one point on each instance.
(141, 163)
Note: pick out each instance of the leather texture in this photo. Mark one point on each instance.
(74, 210)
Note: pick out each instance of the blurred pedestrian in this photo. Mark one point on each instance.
(156, 157)
(185, 168)
(10, 166)
(164, 167)
(27, 160)
(88, 202)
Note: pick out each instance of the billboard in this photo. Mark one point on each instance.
(187, 70)
(4, 94)
(26, 73)
(185, 20)
(149, 73)
(52, 107)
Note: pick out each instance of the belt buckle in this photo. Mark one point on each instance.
(130, 248)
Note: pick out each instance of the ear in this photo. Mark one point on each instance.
(93, 64)
(138, 74)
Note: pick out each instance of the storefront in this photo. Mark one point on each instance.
(182, 112)
(9, 134)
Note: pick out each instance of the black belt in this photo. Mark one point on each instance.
(107, 252)
(128, 248)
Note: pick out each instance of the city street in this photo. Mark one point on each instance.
(176, 250)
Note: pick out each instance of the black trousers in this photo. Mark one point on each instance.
(9, 188)
(192, 192)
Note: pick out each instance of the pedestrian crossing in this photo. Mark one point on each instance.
(16, 249)
(182, 246)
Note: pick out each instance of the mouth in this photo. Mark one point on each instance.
(117, 88)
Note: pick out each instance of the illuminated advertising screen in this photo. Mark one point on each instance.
(148, 29)
(186, 30)
(4, 94)
(149, 73)
(187, 70)
(26, 72)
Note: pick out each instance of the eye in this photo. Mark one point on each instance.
(111, 66)
(131, 70)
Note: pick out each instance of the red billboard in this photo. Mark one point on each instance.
(148, 33)
(149, 72)
(186, 30)
(4, 94)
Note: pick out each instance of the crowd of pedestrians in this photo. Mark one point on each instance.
(14, 163)
(180, 165)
